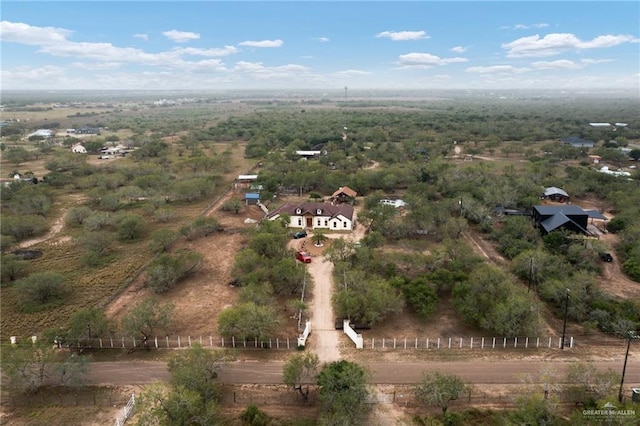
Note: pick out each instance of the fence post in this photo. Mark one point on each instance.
(471, 345)
(179, 341)
(549, 342)
(494, 343)
(438, 343)
(526, 342)
(189, 339)
(482, 343)
(560, 342)
(200, 340)
(373, 342)
(383, 343)
(461, 343)
(394, 343)
(571, 342)
(167, 341)
(123, 342)
(427, 343)
(515, 342)
(287, 343)
(537, 342)
(156, 342)
(270, 343)
(504, 344)
(210, 341)
(449, 342)
(233, 341)
(416, 343)
(111, 338)
(405, 343)
(100, 343)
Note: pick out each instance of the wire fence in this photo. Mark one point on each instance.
(468, 343)
(179, 342)
(67, 397)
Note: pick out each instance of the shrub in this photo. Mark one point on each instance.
(201, 227)
(41, 291)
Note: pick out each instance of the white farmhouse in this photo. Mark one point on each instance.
(316, 216)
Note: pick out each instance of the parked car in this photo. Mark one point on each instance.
(606, 257)
(300, 234)
(303, 257)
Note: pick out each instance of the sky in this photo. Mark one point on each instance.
(268, 45)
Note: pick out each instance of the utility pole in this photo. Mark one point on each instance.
(624, 367)
(566, 311)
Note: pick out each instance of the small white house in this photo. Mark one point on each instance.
(316, 216)
(78, 149)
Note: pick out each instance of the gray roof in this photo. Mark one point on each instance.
(554, 222)
(576, 141)
(570, 209)
(594, 214)
(552, 190)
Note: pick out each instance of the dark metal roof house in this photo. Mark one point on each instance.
(571, 217)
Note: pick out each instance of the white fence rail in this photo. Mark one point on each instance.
(302, 339)
(186, 342)
(355, 337)
(126, 411)
(467, 343)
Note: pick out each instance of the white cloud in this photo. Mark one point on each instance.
(564, 64)
(351, 73)
(427, 59)
(144, 37)
(526, 27)
(322, 39)
(180, 36)
(262, 43)
(497, 69)
(555, 43)
(93, 66)
(403, 35)
(459, 49)
(26, 34)
(194, 51)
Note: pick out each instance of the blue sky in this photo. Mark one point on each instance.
(214, 45)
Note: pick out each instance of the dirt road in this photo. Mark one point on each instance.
(324, 337)
(260, 372)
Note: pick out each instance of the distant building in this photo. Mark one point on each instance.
(344, 195)
(78, 149)
(44, 133)
(88, 131)
(555, 194)
(251, 198)
(577, 142)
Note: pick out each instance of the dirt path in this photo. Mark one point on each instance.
(325, 338)
(489, 372)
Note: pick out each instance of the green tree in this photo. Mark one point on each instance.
(318, 238)
(39, 291)
(167, 269)
(366, 299)
(130, 227)
(233, 205)
(13, 267)
(159, 405)
(590, 383)
(439, 389)
(162, 239)
(197, 369)
(201, 227)
(343, 393)
(146, 318)
(85, 325)
(301, 369)
(249, 321)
